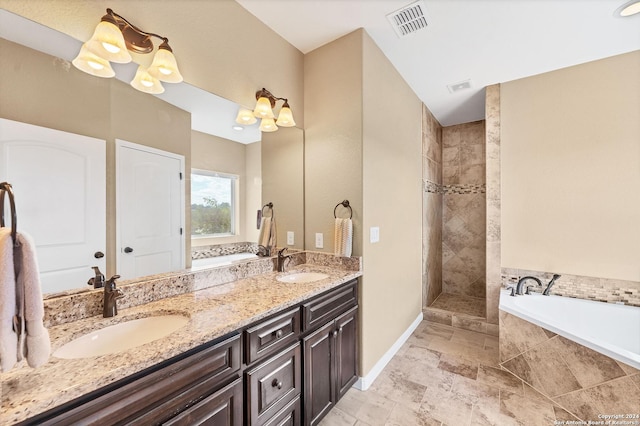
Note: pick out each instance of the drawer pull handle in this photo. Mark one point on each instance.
(278, 334)
(276, 384)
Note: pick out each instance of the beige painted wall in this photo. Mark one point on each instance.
(283, 182)
(571, 170)
(41, 90)
(392, 201)
(221, 155)
(368, 152)
(220, 46)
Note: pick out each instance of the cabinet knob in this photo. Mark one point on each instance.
(335, 333)
(276, 384)
(278, 334)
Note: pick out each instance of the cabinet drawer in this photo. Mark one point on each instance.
(160, 394)
(222, 408)
(273, 384)
(288, 416)
(271, 335)
(326, 307)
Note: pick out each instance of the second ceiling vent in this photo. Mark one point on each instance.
(409, 19)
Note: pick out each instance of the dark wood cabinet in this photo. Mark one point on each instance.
(330, 360)
(288, 369)
(272, 384)
(222, 408)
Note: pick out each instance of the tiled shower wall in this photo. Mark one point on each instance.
(431, 207)
(492, 131)
(464, 210)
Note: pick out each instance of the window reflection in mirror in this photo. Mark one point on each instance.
(213, 203)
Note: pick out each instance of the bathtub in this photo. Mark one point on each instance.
(611, 329)
(210, 262)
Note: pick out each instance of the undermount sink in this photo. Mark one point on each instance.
(302, 277)
(122, 336)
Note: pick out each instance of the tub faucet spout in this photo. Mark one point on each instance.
(522, 280)
(547, 290)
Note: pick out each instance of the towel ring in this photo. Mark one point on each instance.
(345, 204)
(6, 187)
(270, 206)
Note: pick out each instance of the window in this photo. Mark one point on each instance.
(213, 203)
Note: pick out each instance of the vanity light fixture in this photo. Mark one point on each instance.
(629, 8)
(265, 102)
(110, 42)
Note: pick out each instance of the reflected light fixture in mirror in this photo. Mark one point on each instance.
(110, 42)
(629, 8)
(265, 102)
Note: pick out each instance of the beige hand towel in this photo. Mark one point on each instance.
(35, 344)
(343, 237)
(8, 337)
(265, 231)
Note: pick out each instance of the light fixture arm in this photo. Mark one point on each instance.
(264, 93)
(136, 39)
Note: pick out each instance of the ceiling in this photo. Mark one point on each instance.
(484, 41)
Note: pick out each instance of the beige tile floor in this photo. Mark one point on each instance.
(445, 376)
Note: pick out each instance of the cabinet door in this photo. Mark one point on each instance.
(346, 351)
(222, 408)
(319, 387)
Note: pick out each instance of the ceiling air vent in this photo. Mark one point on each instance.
(462, 85)
(409, 19)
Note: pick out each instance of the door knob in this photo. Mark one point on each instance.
(128, 250)
(98, 255)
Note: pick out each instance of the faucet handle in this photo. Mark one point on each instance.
(111, 283)
(281, 251)
(513, 290)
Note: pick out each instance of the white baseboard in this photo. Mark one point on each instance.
(363, 383)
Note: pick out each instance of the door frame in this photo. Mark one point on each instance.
(120, 144)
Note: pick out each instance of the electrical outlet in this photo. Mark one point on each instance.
(290, 238)
(374, 234)
(319, 240)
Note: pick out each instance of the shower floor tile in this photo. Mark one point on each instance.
(467, 305)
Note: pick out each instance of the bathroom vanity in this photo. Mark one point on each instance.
(286, 355)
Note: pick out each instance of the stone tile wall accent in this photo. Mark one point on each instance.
(72, 306)
(493, 261)
(431, 207)
(582, 381)
(205, 252)
(463, 217)
(580, 287)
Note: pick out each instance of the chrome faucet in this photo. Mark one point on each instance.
(282, 260)
(547, 290)
(111, 294)
(521, 282)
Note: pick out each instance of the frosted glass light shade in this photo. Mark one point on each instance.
(630, 8)
(263, 109)
(92, 64)
(268, 125)
(108, 43)
(285, 118)
(164, 67)
(146, 83)
(246, 117)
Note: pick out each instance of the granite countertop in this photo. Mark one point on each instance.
(213, 312)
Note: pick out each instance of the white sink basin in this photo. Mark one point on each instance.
(122, 336)
(302, 277)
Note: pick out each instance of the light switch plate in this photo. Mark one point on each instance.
(319, 240)
(290, 238)
(374, 234)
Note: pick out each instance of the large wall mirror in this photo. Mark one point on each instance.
(40, 87)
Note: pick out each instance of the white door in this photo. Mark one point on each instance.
(58, 179)
(150, 210)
